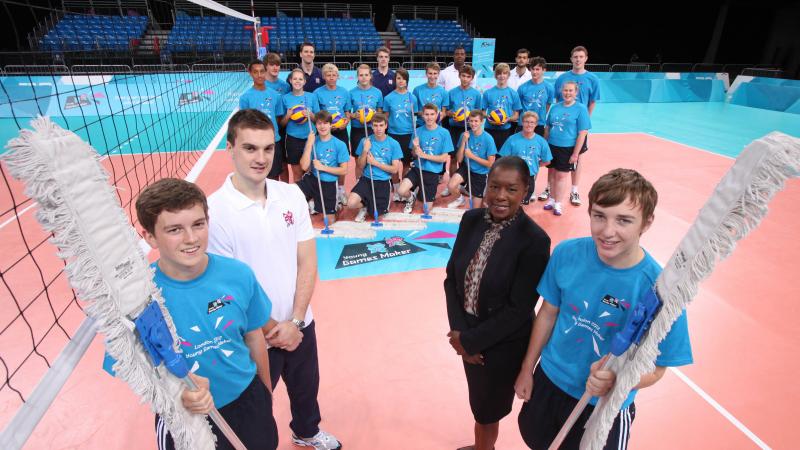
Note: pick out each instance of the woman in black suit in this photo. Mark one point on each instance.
(497, 260)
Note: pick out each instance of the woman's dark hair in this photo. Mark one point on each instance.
(511, 163)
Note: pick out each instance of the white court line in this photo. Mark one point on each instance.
(715, 404)
(720, 409)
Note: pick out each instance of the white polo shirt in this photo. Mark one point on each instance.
(265, 238)
(515, 81)
(448, 78)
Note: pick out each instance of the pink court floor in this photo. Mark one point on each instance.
(389, 379)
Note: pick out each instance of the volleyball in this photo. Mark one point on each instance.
(297, 114)
(337, 120)
(365, 115)
(498, 117)
(460, 114)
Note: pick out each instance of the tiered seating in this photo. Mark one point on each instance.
(87, 33)
(289, 32)
(209, 34)
(432, 35)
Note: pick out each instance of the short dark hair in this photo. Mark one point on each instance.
(468, 70)
(459, 47)
(380, 117)
(273, 59)
(167, 194)
(524, 50)
(248, 118)
(514, 163)
(255, 62)
(579, 48)
(539, 61)
(619, 185)
(323, 116)
(402, 72)
(304, 45)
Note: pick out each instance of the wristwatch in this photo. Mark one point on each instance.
(299, 323)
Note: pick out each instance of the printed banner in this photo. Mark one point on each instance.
(483, 57)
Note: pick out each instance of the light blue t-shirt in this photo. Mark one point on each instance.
(432, 142)
(425, 94)
(212, 313)
(588, 86)
(267, 101)
(333, 100)
(535, 97)
(309, 100)
(506, 99)
(364, 99)
(385, 151)
(483, 146)
(401, 109)
(281, 86)
(470, 98)
(594, 300)
(332, 153)
(532, 150)
(566, 122)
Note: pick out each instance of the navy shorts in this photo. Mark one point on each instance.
(431, 183)
(382, 193)
(250, 417)
(310, 187)
(561, 156)
(404, 140)
(294, 149)
(478, 180)
(542, 417)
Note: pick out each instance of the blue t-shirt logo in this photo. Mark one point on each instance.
(219, 303)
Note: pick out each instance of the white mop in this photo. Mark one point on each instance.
(105, 264)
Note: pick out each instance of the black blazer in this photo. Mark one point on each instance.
(507, 294)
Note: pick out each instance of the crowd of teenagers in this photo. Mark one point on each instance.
(248, 254)
(403, 142)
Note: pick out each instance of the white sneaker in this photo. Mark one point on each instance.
(409, 204)
(396, 197)
(321, 441)
(457, 202)
(342, 198)
(362, 213)
(445, 192)
(311, 207)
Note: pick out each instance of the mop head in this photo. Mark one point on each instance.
(393, 221)
(737, 206)
(104, 263)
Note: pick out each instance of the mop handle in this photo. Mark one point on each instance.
(419, 166)
(319, 176)
(371, 177)
(466, 144)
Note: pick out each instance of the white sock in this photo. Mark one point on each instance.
(550, 201)
(557, 205)
(574, 189)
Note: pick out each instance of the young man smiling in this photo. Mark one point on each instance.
(200, 289)
(265, 223)
(589, 287)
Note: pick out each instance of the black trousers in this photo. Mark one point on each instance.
(300, 371)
